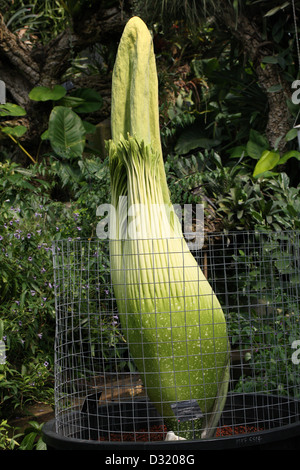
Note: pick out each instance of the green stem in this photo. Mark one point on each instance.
(22, 148)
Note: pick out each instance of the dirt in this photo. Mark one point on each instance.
(158, 433)
(39, 412)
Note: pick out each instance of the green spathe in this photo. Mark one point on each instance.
(172, 319)
(134, 100)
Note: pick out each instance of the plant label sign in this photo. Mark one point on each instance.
(187, 410)
(2, 92)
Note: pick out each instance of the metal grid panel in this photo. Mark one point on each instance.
(99, 392)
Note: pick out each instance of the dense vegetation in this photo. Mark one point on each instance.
(218, 119)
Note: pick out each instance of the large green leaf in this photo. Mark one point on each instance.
(256, 144)
(66, 132)
(267, 162)
(89, 128)
(288, 155)
(70, 101)
(291, 134)
(16, 131)
(43, 93)
(11, 109)
(92, 101)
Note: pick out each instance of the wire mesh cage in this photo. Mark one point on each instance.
(127, 357)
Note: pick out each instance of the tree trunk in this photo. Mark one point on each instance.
(23, 66)
(248, 34)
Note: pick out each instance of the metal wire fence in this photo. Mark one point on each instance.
(100, 392)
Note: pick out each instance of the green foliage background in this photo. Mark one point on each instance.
(213, 121)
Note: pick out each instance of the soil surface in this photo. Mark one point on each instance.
(39, 412)
(158, 433)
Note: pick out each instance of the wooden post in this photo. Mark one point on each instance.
(2, 92)
(102, 133)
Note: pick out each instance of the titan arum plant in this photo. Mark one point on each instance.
(170, 316)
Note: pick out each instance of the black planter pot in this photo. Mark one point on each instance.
(276, 421)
